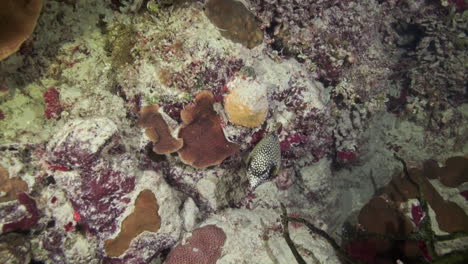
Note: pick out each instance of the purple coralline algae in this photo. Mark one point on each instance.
(20, 221)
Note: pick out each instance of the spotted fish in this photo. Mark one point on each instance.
(264, 161)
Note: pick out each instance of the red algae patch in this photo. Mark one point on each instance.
(145, 217)
(204, 141)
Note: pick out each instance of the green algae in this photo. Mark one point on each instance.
(119, 44)
(24, 117)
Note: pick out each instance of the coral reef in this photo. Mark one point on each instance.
(96, 103)
(409, 227)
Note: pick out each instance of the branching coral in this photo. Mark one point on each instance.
(18, 18)
(437, 64)
(204, 141)
(158, 131)
(433, 68)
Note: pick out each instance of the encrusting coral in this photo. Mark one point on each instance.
(454, 173)
(9, 188)
(144, 218)
(158, 131)
(18, 19)
(235, 22)
(204, 141)
(203, 247)
(393, 237)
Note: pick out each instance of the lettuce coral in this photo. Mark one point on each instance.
(10, 187)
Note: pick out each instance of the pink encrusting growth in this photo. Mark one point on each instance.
(464, 194)
(28, 221)
(52, 102)
(203, 247)
(417, 214)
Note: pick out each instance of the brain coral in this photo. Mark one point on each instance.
(203, 247)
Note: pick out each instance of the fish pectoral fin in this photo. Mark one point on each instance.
(274, 171)
(248, 159)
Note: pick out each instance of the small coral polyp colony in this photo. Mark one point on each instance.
(246, 104)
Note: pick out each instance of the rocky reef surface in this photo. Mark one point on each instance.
(125, 126)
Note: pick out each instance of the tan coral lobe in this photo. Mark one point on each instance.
(235, 22)
(204, 141)
(17, 21)
(158, 131)
(145, 217)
